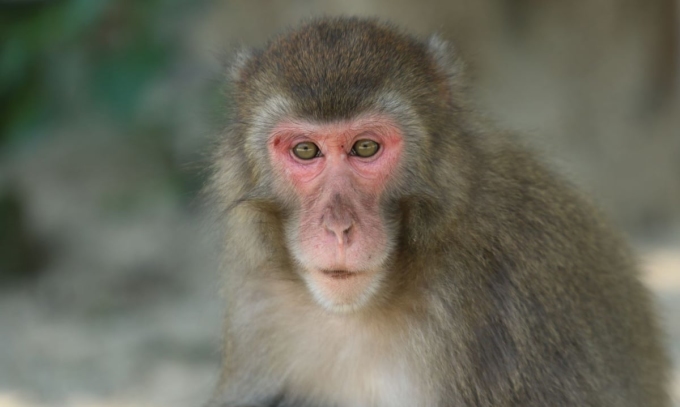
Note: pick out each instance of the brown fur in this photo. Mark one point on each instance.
(505, 288)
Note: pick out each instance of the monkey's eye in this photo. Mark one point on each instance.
(306, 150)
(365, 148)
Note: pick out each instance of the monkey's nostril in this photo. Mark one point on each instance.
(345, 235)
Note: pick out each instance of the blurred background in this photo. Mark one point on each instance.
(109, 280)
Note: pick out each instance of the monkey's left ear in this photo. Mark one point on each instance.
(238, 63)
(446, 58)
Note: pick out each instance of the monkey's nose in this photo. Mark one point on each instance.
(339, 228)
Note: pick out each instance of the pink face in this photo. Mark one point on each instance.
(339, 172)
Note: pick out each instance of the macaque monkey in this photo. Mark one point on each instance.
(386, 248)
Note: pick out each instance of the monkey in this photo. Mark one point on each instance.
(385, 246)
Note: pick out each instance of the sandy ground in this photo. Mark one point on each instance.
(114, 347)
(663, 276)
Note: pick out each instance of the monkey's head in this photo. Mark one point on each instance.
(333, 127)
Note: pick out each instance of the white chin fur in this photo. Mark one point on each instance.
(353, 304)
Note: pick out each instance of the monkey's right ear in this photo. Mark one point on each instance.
(238, 63)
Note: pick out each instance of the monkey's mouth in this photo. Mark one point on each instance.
(339, 274)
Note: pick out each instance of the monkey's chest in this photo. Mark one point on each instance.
(356, 370)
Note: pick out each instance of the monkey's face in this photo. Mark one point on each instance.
(337, 173)
(347, 126)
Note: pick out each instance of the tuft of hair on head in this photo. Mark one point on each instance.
(448, 61)
(237, 63)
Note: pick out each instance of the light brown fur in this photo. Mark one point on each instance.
(505, 287)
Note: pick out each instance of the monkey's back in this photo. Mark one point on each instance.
(563, 317)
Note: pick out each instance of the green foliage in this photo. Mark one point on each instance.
(118, 80)
(62, 59)
(30, 32)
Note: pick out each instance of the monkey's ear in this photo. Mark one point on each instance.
(238, 63)
(446, 57)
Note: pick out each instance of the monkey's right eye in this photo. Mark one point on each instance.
(306, 150)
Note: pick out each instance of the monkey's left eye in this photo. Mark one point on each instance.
(306, 150)
(365, 148)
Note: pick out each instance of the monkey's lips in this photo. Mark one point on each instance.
(340, 274)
